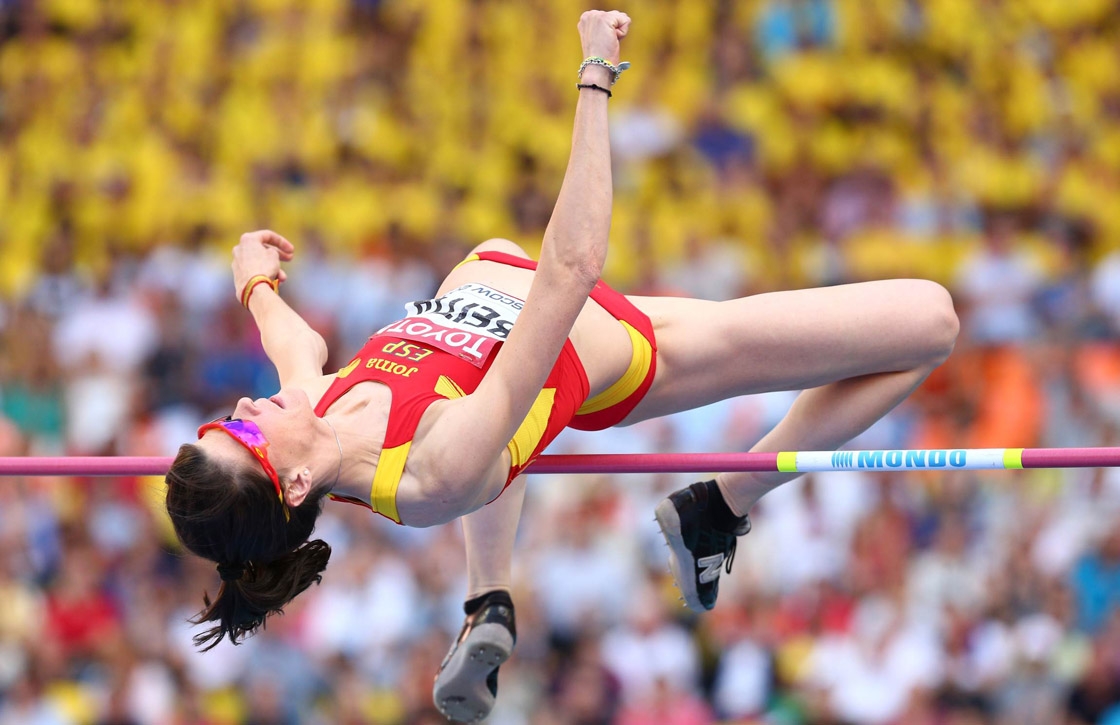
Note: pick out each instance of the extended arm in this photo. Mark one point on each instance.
(572, 257)
(297, 351)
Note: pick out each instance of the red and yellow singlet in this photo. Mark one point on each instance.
(445, 346)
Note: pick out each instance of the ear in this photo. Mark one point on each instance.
(298, 488)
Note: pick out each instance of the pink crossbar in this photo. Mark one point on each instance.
(597, 463)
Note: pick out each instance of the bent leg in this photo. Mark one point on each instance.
(855, 350)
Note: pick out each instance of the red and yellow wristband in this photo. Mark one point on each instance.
(247, 290)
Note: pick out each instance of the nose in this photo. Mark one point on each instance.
(244, 408)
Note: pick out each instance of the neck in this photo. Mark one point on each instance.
(358, 458)
(361, 419)
(341, 455)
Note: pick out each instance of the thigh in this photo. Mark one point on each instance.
(709, 351)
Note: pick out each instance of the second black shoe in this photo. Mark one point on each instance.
(697, 549)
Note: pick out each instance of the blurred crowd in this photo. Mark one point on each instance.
(758, 145)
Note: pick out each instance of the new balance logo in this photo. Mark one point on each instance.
(710, 566)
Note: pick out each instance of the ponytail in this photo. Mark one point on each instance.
(243, 604)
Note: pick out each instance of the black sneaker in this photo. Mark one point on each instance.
(697, 550)
(467, 682)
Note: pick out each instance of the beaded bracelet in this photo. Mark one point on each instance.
(596, 87)
(616, 70)
(247, 290)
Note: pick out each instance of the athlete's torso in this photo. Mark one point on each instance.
(365, 406)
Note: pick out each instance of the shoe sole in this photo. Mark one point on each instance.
(670, 522)
(460, 692)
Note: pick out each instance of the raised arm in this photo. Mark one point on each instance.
(297, 351)
(572, 257)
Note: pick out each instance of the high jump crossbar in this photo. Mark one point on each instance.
(939, 459)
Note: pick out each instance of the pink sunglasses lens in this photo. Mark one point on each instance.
(246, 431)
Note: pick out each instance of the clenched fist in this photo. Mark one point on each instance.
(600, 32)
(260, 253)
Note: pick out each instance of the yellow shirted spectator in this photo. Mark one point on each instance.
(79, 15)
(1005, 179)
(350, 209)
(378, 133)
(42, 154)
(1105, 147)
(26, 225)
(619, 270)
(124, 116)
(1082, 188)
(743, 210)
(950, 107)
(482, 216)
(1089, 64)
(864, 23)
(492, 172)
(1069, 14)
(152, 164)
(880, 81)
(1028, 107)
(246, 129)
(952, 25)
(326, 57)
(883, 253)
(59, 61)
(73, 700)
(810, 79)
(835, 147)
(222, 201)
(759, 110)
(194, 46)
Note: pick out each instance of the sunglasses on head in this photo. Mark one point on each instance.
(252, 439)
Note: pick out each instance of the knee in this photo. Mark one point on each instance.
(935, 319)
(500, 245)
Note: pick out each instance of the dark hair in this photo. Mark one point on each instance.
(233, 517)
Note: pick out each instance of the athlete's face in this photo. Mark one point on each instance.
(285, 421)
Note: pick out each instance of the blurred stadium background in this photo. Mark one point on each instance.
(759, 145)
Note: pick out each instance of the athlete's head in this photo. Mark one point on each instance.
(242, 498)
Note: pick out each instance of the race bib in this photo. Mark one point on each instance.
(467, 321)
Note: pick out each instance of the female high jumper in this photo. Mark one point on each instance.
(437, 415)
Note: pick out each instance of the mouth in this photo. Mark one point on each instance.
(275, 400)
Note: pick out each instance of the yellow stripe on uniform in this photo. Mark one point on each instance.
(1013, 458)
(787, 462)
(470, 258)
(390, 467)
(625, 386)
(343, 372)
(448, 388)
(532, 429)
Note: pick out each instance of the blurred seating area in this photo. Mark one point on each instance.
(758, 145)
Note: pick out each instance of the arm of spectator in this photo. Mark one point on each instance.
(297, 350)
